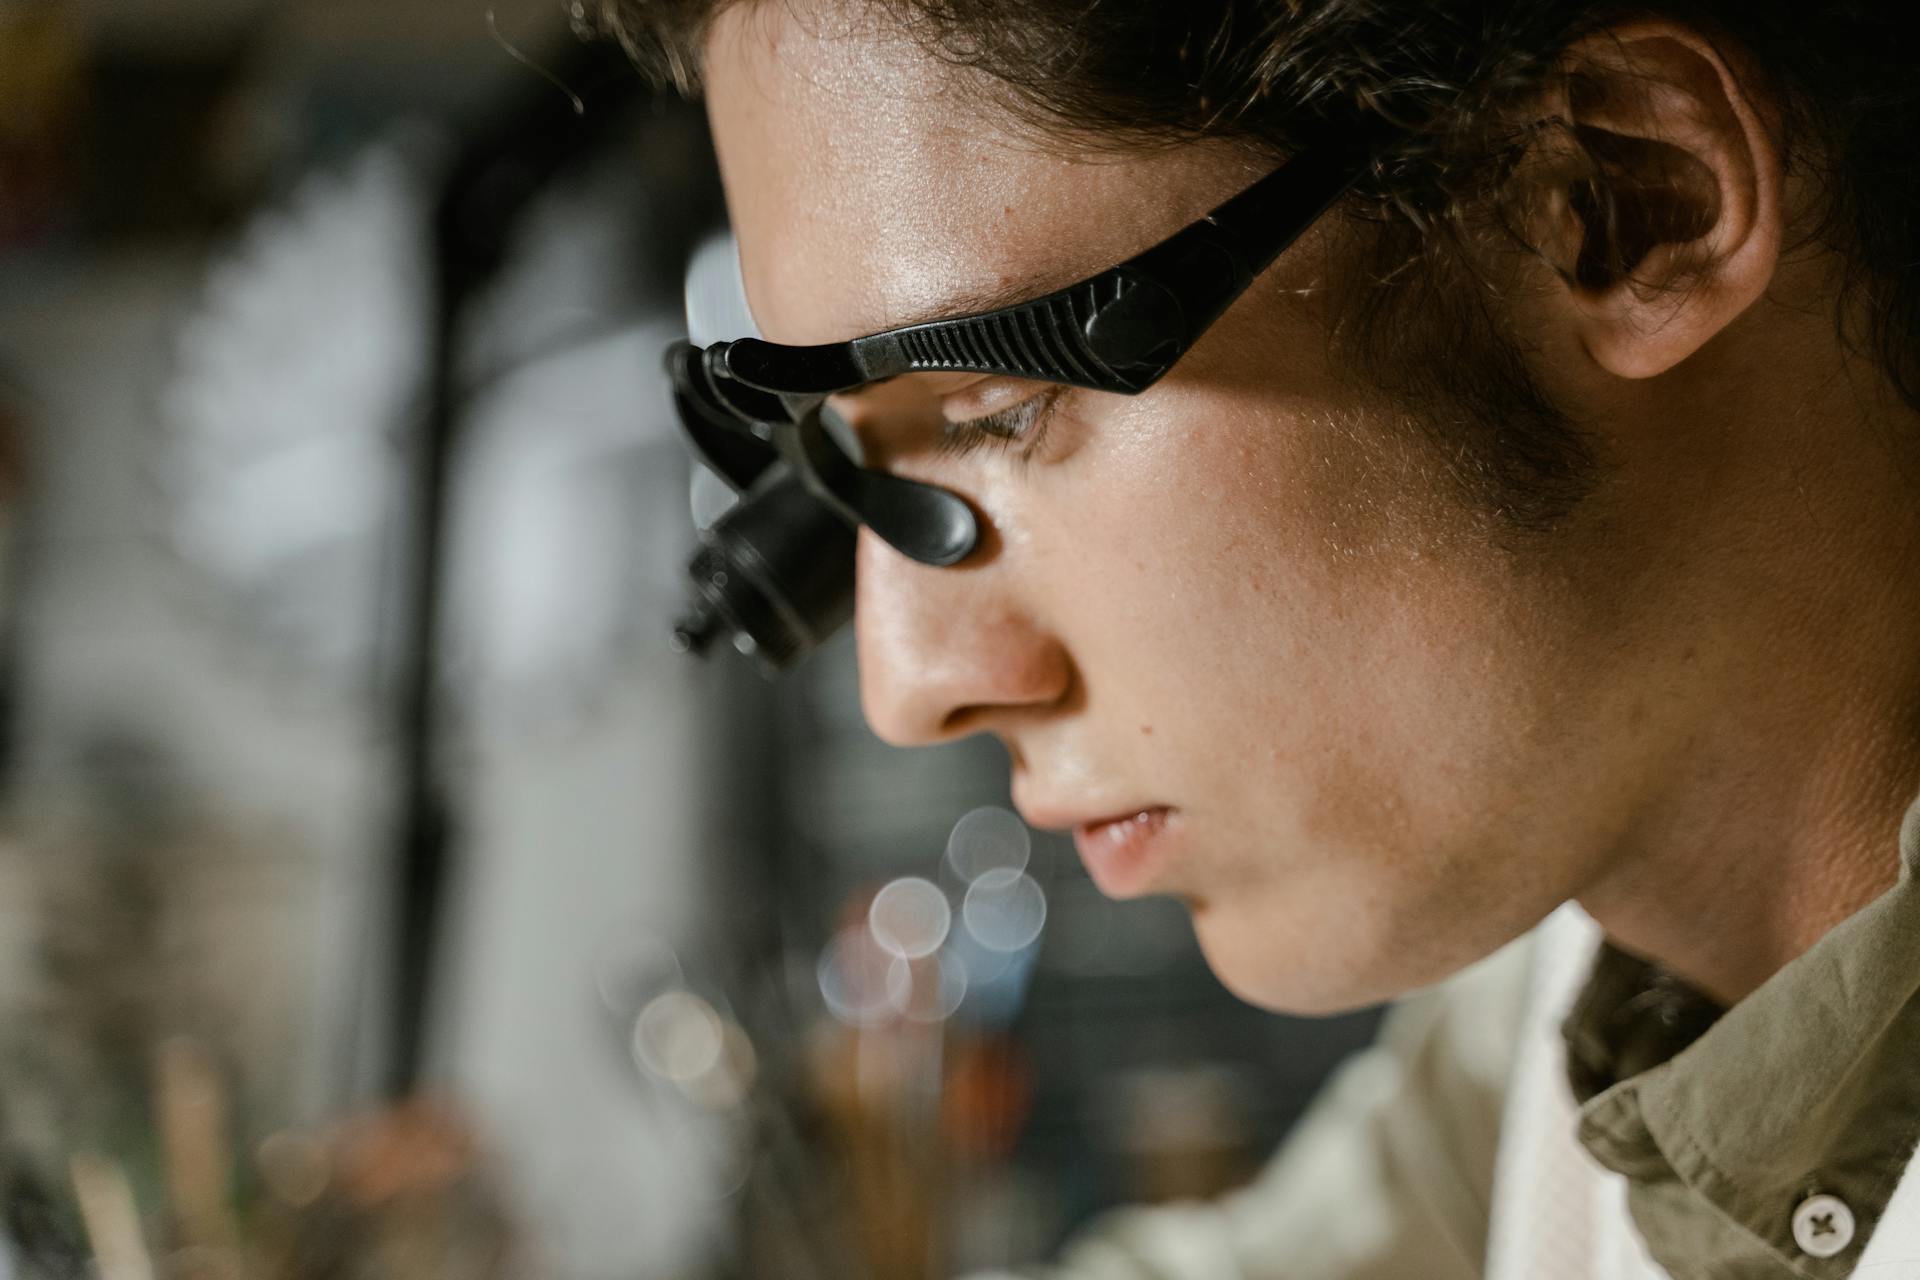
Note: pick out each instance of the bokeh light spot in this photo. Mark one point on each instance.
(910, 918)
(677, 1037)
(853, 977)
(988, 839)
(1005, 910)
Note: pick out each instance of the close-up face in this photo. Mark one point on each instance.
(1373, 737)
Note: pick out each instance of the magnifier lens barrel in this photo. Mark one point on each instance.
(775, 575)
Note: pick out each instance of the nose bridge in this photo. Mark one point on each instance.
(943, 652)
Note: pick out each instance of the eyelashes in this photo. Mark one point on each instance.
(1023, 425)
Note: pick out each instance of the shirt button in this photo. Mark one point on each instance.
(1822, 1226)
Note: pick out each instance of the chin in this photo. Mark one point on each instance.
(1307, 964)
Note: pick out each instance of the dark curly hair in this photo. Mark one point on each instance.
(1459, 78)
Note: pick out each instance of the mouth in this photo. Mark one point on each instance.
(1125, 852)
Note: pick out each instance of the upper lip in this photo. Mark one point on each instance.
(1051, 818)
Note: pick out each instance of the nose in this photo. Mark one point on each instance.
(948, 652)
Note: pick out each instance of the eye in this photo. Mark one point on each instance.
(1023, 424)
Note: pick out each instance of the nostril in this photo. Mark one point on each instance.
(1036, 679)
(963, 721)
(946, 653)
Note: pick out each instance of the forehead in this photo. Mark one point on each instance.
(871, 185)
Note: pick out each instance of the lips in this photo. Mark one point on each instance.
(1124, 854)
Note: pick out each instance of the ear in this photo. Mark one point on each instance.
(1661, 208)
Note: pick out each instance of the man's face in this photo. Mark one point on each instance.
(1376, 746)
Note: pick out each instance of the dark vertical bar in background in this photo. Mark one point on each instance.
(15, 565)
(487, 189)
(424, 814)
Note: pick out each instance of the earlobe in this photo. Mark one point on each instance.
(1670, 224)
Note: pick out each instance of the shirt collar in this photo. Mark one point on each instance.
(1812, 1081)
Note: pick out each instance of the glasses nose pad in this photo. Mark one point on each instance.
(920, 521)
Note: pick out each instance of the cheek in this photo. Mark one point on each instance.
(1286, 593)
(1212, 552)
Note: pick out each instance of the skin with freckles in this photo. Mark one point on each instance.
(1391, 735)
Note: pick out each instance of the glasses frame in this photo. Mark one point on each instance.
(748, 403)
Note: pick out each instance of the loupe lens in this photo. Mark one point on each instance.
(774, 575)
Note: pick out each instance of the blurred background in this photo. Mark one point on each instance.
(380, 895)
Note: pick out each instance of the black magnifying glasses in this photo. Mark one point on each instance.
(776, 572)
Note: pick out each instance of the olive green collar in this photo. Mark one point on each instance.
(1724, 1121)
